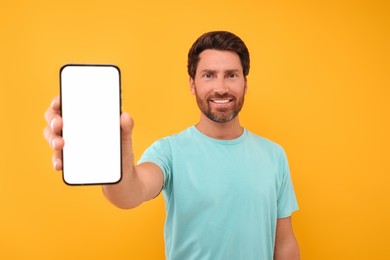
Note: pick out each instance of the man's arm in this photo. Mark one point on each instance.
(286, 245)
(139, 183)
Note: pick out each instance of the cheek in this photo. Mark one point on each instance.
(200, 89)
(238, 90)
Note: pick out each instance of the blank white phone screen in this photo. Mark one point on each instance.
(90, 108)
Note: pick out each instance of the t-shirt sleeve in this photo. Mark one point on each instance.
(287, 202)
(160, 154)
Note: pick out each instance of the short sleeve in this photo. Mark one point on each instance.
(286, 200)
(160, 154)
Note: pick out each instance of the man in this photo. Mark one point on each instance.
(228, 192)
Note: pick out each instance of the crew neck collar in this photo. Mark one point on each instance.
(220, 141)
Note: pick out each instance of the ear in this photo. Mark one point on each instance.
(245, 86)
(192, 85)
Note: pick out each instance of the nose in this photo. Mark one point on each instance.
(220, 87)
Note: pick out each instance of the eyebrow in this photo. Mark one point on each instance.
(232, 70)
(207, 71)
(214, 71)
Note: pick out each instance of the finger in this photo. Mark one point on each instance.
(48, 134)
(55, 104)
(53, 110)
(127, 125)
(49, 113)
(56, 124)
(57, 161)
(56, 142)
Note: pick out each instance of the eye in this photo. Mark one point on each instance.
(207, 75)
(232, 75)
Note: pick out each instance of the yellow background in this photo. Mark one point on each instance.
(319, 86)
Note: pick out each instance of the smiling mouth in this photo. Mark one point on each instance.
(221, 101)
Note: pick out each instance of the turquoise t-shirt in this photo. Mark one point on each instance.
(222, 197)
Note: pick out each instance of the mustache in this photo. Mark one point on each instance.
(223, 96)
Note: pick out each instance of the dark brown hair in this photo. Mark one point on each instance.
(218, 40)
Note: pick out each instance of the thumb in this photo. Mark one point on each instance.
(127, 125)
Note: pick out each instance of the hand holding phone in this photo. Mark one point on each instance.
(53, 131)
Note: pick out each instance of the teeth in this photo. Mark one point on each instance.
(221, 101)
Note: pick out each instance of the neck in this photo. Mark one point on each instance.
(223, 131)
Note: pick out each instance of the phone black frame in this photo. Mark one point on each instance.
(120, 113)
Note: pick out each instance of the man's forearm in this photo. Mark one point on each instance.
(127, 193)
(287, 251)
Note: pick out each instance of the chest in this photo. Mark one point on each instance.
(223, 177)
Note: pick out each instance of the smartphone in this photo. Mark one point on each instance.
(90, 108)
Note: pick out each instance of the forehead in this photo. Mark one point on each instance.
(219, 60)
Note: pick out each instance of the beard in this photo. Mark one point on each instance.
(220, 114)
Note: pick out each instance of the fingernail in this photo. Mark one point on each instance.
(53, 143)
(52, 124)
(55, 163)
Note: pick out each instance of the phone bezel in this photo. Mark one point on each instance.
(120, 112)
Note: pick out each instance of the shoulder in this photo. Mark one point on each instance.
(264, 143)
(173, 139)
(267, 148)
